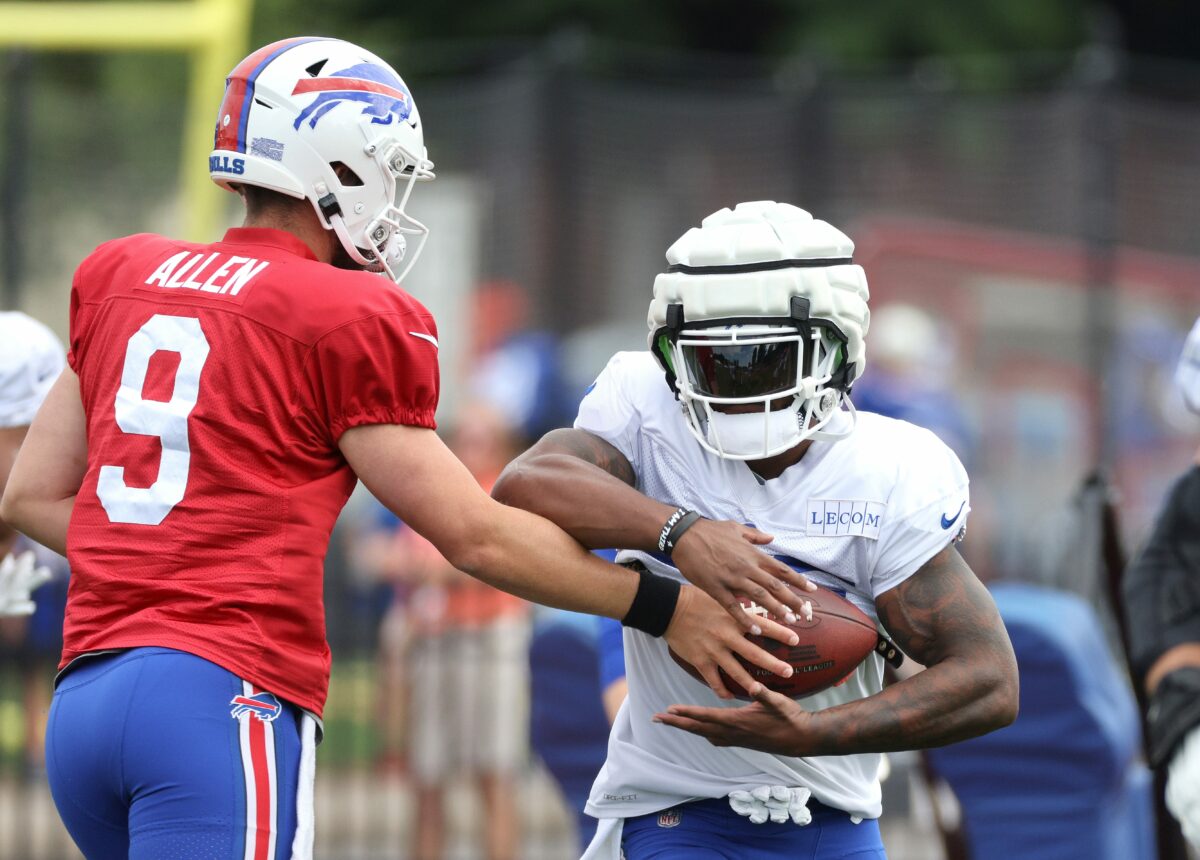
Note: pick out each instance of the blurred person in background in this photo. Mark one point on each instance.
(467, 706)
(912, 359)
(220, 401)
(514, 367)
(1162, 607)
(759, 326)
(376, 549)
(31, 358)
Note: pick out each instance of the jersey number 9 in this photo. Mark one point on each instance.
(168, 420)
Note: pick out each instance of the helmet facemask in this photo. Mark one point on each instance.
(791, 372)
(377, 238)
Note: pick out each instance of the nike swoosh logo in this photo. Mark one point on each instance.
(949, 521)
(424, 336)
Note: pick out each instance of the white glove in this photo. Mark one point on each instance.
(1183, 787)
(18, 579)
(776, 802)
(1187, 374)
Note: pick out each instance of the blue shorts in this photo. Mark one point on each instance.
(153, 753)
(711, 830)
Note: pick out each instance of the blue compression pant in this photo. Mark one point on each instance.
(153, 753)
(711, 830)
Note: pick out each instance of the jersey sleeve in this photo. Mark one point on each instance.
(381, 369)
(77, 320)
(88, 287)
(608, 411)
(927, 511)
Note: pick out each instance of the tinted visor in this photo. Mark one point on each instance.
(743, 370)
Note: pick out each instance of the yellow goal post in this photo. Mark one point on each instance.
(211, 33)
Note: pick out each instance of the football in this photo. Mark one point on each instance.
(832, 644)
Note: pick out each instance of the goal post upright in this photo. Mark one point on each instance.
(212, 34)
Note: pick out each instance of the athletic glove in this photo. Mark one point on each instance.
(19, 577)
(1187, 374)
(1183, 787)
(775, 802)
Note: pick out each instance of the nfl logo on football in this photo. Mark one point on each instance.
(669, 818)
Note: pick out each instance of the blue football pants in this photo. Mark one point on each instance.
(152, 753)
(711, 830)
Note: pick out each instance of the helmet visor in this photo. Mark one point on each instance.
(737, 370)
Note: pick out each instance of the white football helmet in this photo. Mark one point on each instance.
(761, 306)
(297, 111)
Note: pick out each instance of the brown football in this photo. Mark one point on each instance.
(832, 644)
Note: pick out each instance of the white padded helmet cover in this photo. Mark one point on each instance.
(763, 232)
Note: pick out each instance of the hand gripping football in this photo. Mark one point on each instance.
(832, 644)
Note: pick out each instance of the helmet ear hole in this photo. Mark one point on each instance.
(345, 175)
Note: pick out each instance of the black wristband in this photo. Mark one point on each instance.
(654, 604)
(1173, 711)
(673, 529)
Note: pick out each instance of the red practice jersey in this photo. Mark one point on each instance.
(217, 380)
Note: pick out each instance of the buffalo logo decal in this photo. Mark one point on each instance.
(384, 95)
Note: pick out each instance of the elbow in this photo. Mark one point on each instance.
(516, 486)
(13, 509)
(468, 557)
(1007, 709)
(1003, 699)
(472, 547)
(507, 486)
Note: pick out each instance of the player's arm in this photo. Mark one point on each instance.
(1162, 607)
(586, 486)
(10, 442)
(944, 618)
(412, 472)
(50, 467)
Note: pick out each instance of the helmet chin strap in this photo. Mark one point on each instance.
(823, 435)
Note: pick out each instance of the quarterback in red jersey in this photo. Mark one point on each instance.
(220, 402)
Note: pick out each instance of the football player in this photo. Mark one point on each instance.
(740, 410)
(1162, 606)
(219, 403)
(31, 358)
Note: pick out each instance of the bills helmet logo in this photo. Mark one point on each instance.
(386, 98)
(262, 705)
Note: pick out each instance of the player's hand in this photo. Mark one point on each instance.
(19, 577)
(722, 557)
(1183, 787)
(703, 634)
(772, 723)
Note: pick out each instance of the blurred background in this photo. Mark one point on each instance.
(1021, 179)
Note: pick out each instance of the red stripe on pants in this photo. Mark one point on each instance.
(262, 789)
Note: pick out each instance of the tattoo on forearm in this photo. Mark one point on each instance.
(592, 449)
(944, 618)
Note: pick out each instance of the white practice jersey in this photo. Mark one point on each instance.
(31, 358)
(858, 516)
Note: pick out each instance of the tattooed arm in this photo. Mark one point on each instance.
(586, 486)
(941, 616)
